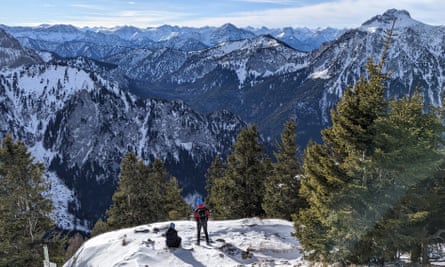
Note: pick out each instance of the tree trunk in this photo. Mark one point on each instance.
(425, 252)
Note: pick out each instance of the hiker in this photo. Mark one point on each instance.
(201, 216)
(172, 238)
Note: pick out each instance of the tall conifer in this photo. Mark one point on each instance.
(281, 198)
(145, 194)
(409, 156)
(239, 193)
(25, 212)
(335, 172)
(174, 203)
(214, 173)
(132, 200)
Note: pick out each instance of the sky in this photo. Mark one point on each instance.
(198, 13)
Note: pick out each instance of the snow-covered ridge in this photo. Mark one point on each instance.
(250, 59)
(244, 242)
(56, 84)
(187, 38)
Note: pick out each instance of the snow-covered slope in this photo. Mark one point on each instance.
(249, 242)
(245, 242)
(250, 59)
(80, 125)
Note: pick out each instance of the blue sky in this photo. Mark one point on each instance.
(196, 13)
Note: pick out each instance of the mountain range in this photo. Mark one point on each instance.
(81, 98)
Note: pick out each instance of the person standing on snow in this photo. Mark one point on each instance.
(201, 216)
(172, 238)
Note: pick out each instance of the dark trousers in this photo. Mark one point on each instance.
(204, 226)
(174, 243)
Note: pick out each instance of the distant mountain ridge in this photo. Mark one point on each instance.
(182, 38)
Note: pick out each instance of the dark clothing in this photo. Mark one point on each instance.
(204, 226)
(172, 238)
(202, 221)
(197, 212)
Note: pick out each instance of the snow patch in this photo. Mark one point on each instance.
(320, 75)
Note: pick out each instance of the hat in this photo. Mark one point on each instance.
(172, 225)
(199, 202)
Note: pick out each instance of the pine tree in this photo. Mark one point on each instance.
(25, 212)
(214, 173)
(100, 227)
(409, 140)
(281, 198)
(158, 180)
(175, 204)
(335, 172)
(240, 192)
(135, 197)
(145, 194)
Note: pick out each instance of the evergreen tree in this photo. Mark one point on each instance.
(145, 194)
(100, 227)
(409, 140)
(433, 193)
(137, 195)
(281, 198)
(175, 204)
(215, 172)
(240, 192)
(336, 175)
(158, 180)
(24, 220)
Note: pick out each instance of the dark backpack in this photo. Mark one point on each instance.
(202, 214)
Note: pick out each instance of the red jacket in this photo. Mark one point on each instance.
(196, 216)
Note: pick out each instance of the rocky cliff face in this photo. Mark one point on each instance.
(12, 54)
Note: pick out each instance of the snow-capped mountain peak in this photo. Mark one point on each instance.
(402, 19)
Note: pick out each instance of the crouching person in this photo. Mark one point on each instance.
(172, 238)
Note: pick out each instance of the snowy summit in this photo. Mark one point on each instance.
(244, 242)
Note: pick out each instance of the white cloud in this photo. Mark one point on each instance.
(340, 14)
(294, 13)
(86, 6)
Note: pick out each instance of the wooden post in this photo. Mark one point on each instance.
(45, 256)
(46, 262)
